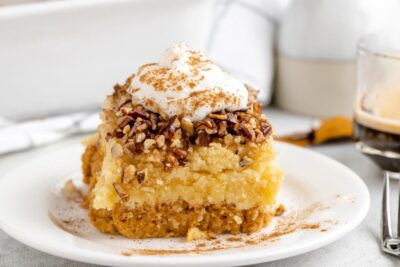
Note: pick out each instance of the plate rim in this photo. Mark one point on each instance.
(248, 257)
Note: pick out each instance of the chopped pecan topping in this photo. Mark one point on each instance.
(266, 129)
(249, 132)
(126, 130)
(123, 121)
(153, 121)
(160, 140)
(123, 101)
(118, 133)
(260, 138)
(208, 125)
(213, 130)
(129, 148)
(253, 123)
(203, 138)
(120, 192)
(117, 150)
(237, 139)
(148, 144)
(232, 118)
(169, 162)
(257, 108)
(140, 126)
(180, 153)
(140, 130)
(162, 126)
(218, 116)
(245, 162)
(140, 137)
(139, 111)
(175, 122)
(129, 174)
(188, 127)
(204, 124)
(139, 148)
(222, 128)
(172, 126)
(141, 175)
(125, 110)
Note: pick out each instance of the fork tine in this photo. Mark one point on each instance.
(386, 223)
(398, 214)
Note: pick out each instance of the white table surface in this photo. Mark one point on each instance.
(359, 248)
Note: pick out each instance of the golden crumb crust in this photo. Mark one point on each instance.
(175, 219)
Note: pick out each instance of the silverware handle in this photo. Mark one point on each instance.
(386, 220)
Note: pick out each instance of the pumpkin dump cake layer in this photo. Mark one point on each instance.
(182, 146)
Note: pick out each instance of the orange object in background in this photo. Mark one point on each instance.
(327, 130)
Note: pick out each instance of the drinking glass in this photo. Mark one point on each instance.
(377, 116)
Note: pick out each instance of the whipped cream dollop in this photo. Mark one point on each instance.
(186, 82)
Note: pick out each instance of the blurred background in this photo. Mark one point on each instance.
(60, 57)
(65, 55)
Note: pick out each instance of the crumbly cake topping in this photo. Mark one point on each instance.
(186, 83)
(139, 130)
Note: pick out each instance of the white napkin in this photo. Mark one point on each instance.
(245, 26)
(29, 134)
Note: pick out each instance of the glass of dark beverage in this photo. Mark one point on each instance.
(377, 116)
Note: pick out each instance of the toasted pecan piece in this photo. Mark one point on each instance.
(120, 192)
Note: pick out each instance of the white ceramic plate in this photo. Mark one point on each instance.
(324, 202)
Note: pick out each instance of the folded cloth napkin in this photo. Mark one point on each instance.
(32, 133)
(240, 40)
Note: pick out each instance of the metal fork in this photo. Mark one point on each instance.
(390, 243)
